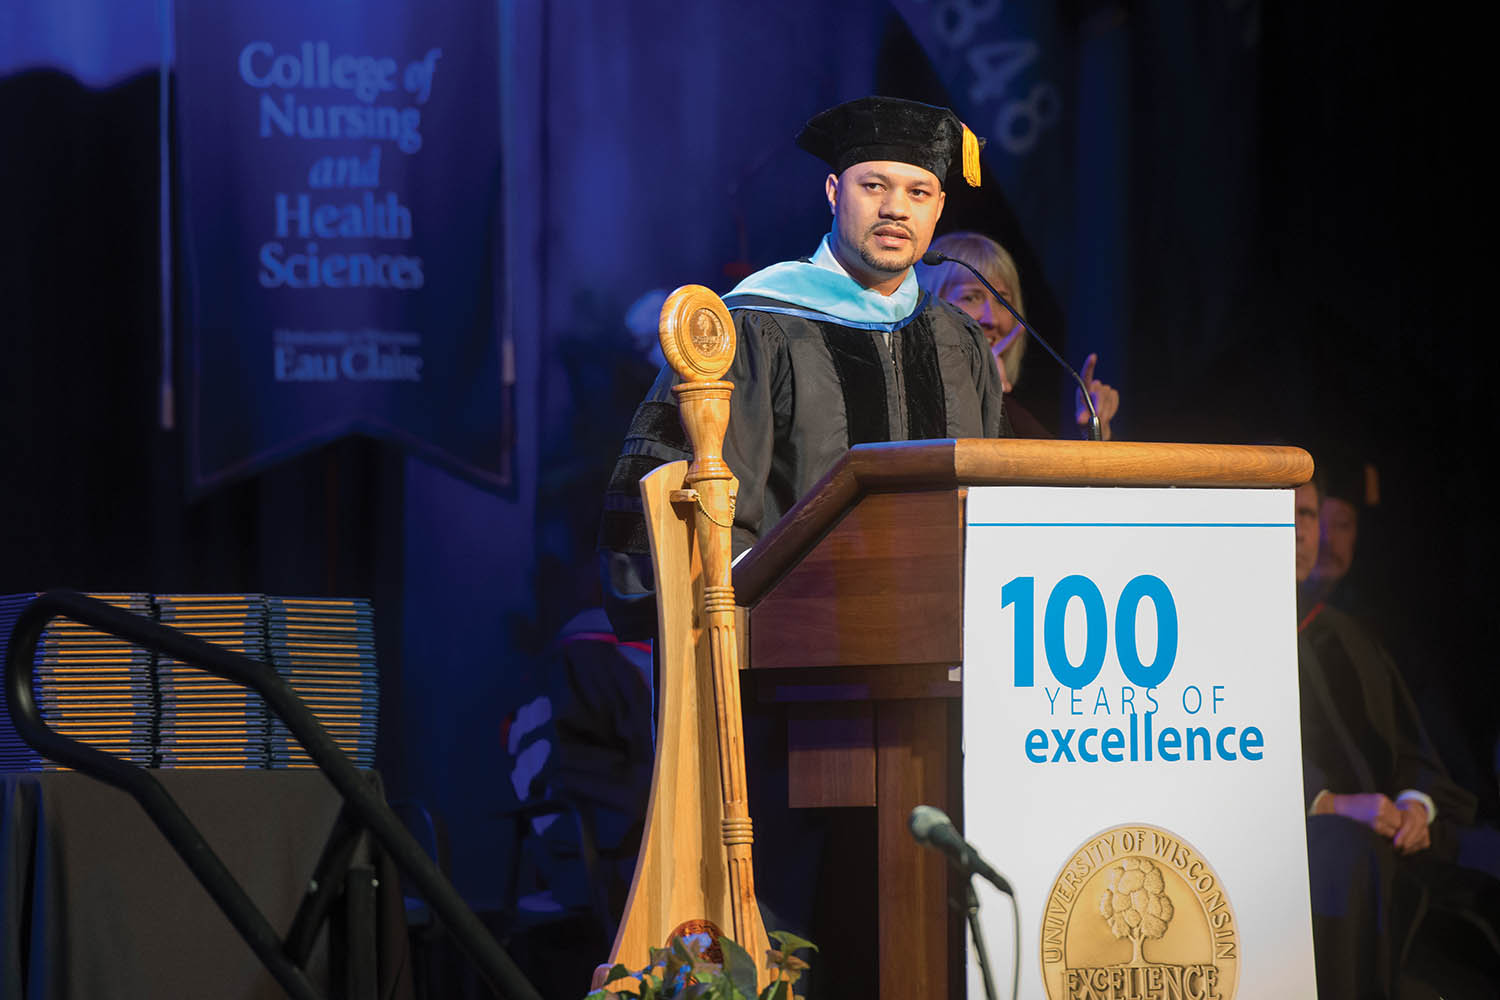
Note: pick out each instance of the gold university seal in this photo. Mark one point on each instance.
(1137, 913)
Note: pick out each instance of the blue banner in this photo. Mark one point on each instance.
(341, 185)
(1009, 68)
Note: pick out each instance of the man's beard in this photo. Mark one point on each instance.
(888, 264)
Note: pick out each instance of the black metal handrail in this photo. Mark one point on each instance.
(367, 806)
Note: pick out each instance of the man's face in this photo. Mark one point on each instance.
(884, 213)
(1340, 527)
(1305, 517)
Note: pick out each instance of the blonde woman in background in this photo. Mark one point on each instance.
(1007, 338)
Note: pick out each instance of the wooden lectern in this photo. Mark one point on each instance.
(854, 608)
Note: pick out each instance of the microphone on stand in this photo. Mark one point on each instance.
(932, 258)
(931, 827)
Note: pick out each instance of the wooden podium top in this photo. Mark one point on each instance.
(951, 464)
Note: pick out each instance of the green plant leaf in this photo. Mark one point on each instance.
(785, 966)
(672, 968)
(791, 942)
(682, 951)
(615, 975)
(739, 967)
(779, 990)
(690, 951)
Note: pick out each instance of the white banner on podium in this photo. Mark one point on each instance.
(1132, 754)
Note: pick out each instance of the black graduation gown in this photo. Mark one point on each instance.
(1361, 733)
(1360, 728)
(806, 390)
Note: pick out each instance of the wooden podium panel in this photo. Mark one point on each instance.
(887, 564)
(871, 710)
(891, 746)
(831, 755)
(921, 937)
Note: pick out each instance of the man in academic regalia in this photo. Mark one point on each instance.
(1389, 832)
(834, 350)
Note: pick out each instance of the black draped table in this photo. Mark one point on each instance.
(95, 904)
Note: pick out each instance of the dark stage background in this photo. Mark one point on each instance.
(1268, 235)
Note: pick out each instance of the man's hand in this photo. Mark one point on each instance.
(1370, 808)
(1106, 398)
(1413, 835)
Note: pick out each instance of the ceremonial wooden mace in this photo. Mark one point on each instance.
(694, 872)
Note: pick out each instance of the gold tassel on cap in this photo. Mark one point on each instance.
(971, 157)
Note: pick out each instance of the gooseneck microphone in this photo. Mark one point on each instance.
(932, 258)
(932, 828)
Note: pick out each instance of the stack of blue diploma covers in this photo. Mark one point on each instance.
(89, 686)
(207, 721)
(325, 648)
(157, 712)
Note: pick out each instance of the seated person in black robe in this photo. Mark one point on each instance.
(835, 350)
(1387, 826)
